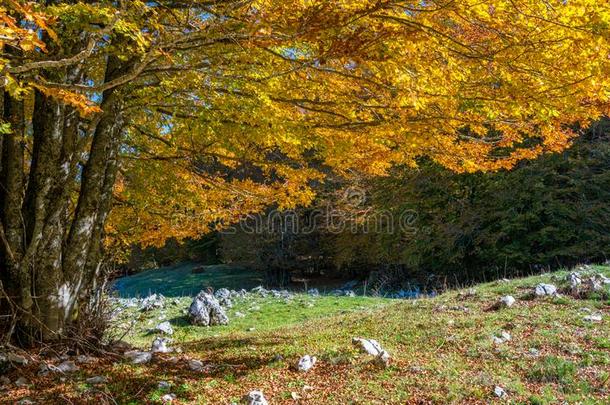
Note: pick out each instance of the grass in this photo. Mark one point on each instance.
(442, 352)
(263, 314)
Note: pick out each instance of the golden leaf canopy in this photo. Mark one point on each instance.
(231, 106)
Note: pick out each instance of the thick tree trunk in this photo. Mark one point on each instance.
(53, 209)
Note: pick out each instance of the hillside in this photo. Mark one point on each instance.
(446, 349)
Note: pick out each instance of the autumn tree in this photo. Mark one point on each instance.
(182, 115)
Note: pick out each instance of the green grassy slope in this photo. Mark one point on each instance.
(442, 352)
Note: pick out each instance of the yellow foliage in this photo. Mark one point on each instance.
(242, 106)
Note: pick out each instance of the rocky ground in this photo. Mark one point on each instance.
(541, 339)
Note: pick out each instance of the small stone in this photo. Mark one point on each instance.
(503, 338)
(254, 398)
(534, 352)
(152, 302)
(575, 280)
(417, 369)
(543, 290)
(239, 315)
(82, 359)
(164, 385)
(44, 369)
(17, 359)
(314, 292)
(138, 357)
(99, 379)
(260, 290)
(165, 327)
(224, 297)
(25, 401)
(160, 345)
(497, 340)
(250, 329)
(306, 363)
(168, 398)
(500, 393)
(196, 365)
(507, 301)
(593, 318)
(21, 382)
(383, 359)
(67, 367)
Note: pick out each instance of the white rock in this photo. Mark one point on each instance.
(239, 315)
(593, 318)
(165, 327)
(500, 393)
(314, 292)
(497, 340)
(152, 302)
(254, 398)
(306, 363)
(575, 279)
(224, 297)
(507, 301)
(99, 379)
(370, 346)
(222, 293)
(503, 338)
(168, 398)
(138, 357)
(205, 310)
(543, 289)
(160, 345)
(164, 385)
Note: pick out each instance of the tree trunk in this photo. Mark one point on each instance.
(53, 209)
